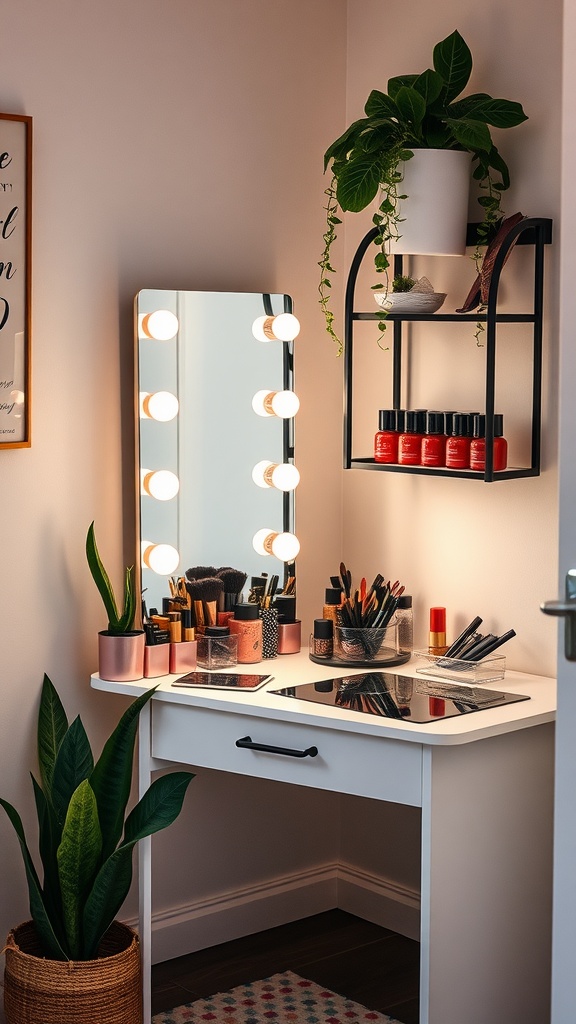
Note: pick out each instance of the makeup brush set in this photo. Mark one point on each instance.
(207, 591)
(364, 615)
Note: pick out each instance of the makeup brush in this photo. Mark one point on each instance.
(210, 589)
(200, 572)
(233, 581)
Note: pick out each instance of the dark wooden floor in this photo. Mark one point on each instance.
(371, 965)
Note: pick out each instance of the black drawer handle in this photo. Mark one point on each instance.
(248, 743)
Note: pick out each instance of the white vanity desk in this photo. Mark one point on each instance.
(484, 783)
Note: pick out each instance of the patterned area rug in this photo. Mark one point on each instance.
(282, 999)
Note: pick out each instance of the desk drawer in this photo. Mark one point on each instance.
(346, 762)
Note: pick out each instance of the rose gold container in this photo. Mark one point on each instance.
(156, 660)
(289, 637)
(121, 658)
(183, 657)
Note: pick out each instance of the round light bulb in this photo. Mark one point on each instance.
(259, 540)
(285, 404)
(163, 559)
(258, 473)
(258, 403)
(161, 405)
(285, 546)
(258, 328)
(161, 484)
(161, 325)
(285, 476)
(286, 326)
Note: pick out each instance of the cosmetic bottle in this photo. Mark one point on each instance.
(437, 638)
(332, 602)
(386, 439)
(405, 624)
(434, 441)
(269, 618)
(458, 444)
(187, 627)
(289, 627)
(410, 441)
(478, 444)
(175, 627)
(323, 638)
(246, 624)
(217, 648)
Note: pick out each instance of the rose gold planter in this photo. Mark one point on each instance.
(121, 658)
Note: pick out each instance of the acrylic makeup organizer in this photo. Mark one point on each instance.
(534, 231)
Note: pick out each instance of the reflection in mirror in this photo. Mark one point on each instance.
(216, 444)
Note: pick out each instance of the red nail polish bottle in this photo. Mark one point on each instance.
(458, 444)
(410, 441)
(434, 440)
(478, 444)
(386, 440)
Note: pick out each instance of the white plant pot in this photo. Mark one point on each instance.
(437, 184)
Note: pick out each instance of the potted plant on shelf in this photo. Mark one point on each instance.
(73, 960)
(392, 154)
(120, 646)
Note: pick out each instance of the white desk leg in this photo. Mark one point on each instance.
(487, 880)
(145, 864)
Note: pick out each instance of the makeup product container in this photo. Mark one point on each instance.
(246, 624)
(458, 444)
(217, 648)
(478, 444)
(404, 623)
(437, 637)
(156, 660)
(323, 638)
(332, 602)
(386, 440)
(289, 627)
(410, 441)
(182, 656)
(269, 617)
(433, 450)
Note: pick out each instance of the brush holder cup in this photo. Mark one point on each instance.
(360, 648)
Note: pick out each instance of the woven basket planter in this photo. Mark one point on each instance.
(103, 991)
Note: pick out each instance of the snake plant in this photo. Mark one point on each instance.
(119, 622)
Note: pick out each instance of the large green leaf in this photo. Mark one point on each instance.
(78, 859)
(358, 183)
(342, 146)
(158, 808)
(379, 104)
(394, 84)
(453, 61)
(100, 576)
(74, 763)
(50, 945)
(411, 106)
(112, 775)
(48, 840)
(498, 113)
(52, 727)
(471, 134)
(429, 84)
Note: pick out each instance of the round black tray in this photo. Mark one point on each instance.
(376, 666)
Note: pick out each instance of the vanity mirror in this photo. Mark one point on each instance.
(202, 432)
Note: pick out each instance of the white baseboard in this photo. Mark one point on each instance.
(240, 912)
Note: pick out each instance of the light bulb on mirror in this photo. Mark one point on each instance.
(161, 325)
(163, 559)
(283, 404)
(162, 406)
(284, 546)
(283, 476)
(284, 327)
(161, 484)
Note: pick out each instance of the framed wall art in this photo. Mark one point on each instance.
(15, 282)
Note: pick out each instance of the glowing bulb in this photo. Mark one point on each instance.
(284, 476)
(161, 484)
(260, 327)
(284, 546)
(286, 327)
(284, 404)
(161, 405)
(163, 559)
(161, 325)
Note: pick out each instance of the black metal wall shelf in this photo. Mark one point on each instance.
(534, 231)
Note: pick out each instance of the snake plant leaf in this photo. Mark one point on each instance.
(112, 775)
(126, 620)
(358, 184)
(78, 858)
(471, 134)
(50, 943)
(49, 834)
(52, 727)
(379, 104)
(74, 763)
(158, 808)
(453, 61)
(100, 576)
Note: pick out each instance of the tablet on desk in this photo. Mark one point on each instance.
(223, 680)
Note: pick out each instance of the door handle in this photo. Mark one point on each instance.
(567, 610)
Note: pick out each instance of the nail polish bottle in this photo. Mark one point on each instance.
(386, 440)
(458, 444)
(478, 444)
(323, 638)
(247, 625)
(332, 602)
(410, 441)
(434, 440)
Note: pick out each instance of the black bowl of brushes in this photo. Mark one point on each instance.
(365, 631)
